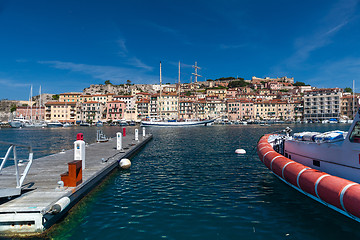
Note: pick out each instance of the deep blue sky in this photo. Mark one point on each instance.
(68, 45)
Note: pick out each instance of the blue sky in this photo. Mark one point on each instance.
(67, 45)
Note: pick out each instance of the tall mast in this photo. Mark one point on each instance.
(31, 112)
(353, 103)
(40, 102)
(160, 92)
(196, 68)
(179, 72)
(179, 92)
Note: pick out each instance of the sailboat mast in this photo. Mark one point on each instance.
(31, 111)
(40, 103)
(353, 103)
(160, 92)
(179, 92)
(179, 72)
(196, 74)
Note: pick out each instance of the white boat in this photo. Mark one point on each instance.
(323, 166)
(85, 124)
(17, 122)
(154, 123)
(99, 124)
(67, 124)
(342, 120)
(55, 124)
(122, 122)
(35, 124)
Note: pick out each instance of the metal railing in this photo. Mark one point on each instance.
(12, 148)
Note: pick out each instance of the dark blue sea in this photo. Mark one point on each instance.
(187, 183)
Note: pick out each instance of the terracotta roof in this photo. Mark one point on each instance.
(91, 102)
(143, 101)
(60, 103)
(123, 96)
(116, 101)
(71, 93)
(323, 89)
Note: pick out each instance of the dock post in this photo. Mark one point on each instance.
(79, 151)
(144, 134)
(124, 132)
(119, 141)
(136, 134)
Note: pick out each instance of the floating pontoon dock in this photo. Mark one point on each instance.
(30, 209)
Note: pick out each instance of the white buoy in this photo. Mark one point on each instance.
(240, 151)
(125, 163)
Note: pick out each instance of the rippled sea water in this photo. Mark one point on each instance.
(187, 183)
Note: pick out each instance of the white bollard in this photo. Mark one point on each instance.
(79, 152)
(136, 134)
(144, 132)
(118, 141)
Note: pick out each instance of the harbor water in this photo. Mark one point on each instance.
(187, 183)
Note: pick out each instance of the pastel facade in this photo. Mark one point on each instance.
(60, 112)
(72, 97)
(115, 110)
(35, 113)
(92, 111)
(168, 104)
(186, 110)
(143, 109)
(349, 106)
(322, 104)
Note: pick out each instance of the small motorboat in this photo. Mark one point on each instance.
(85, 124)
(55, 124)
(99, 124)
(67, 124)
(323, 166)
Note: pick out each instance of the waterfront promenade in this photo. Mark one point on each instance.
(30, 212)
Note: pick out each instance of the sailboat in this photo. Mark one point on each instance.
(32, 122)
(172, 123)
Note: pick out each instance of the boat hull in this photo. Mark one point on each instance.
(15, 124)
(54, 125)
(176, 124)
(337, 193)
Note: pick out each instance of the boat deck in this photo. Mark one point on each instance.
(29, 212)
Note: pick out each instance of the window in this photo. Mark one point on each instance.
(355, 133)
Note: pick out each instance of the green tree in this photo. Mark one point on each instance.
(55, 97)
(128, 82)
(13, 108)
(299, 84)
(107, 82)
(237, 83)
(347, 89)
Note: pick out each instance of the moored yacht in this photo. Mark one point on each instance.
(323, 166)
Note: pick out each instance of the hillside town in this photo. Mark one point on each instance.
(227, 99)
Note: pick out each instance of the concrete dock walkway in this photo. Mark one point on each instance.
(30, 212)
